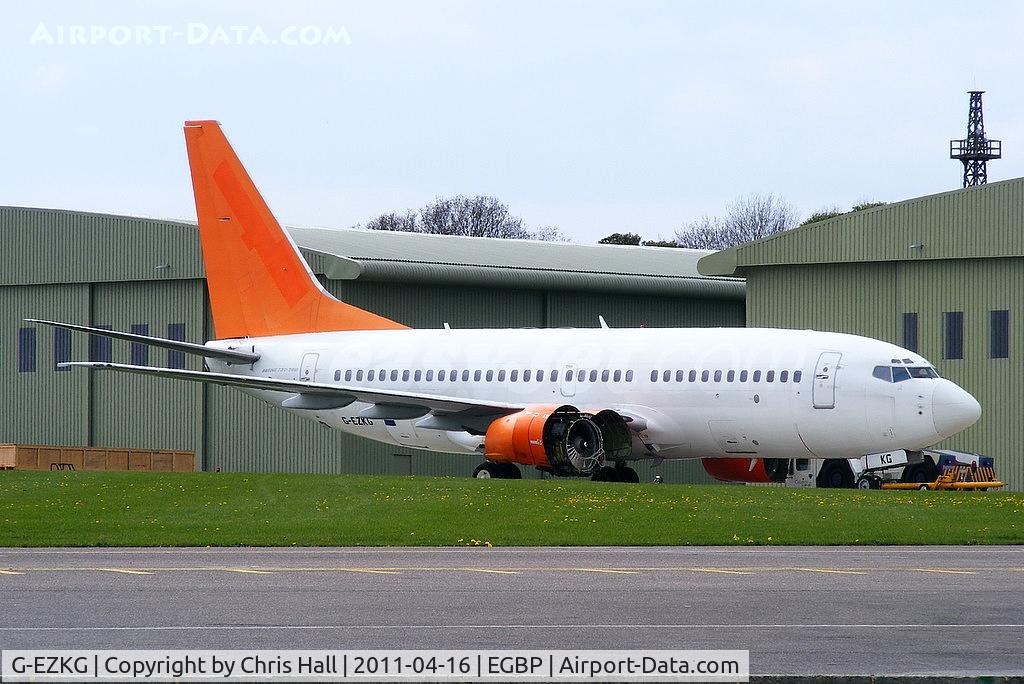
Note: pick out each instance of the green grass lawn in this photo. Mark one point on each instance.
(231, 509)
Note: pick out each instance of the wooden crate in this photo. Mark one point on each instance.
(45, 457)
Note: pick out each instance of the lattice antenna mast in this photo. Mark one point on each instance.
(975, 150)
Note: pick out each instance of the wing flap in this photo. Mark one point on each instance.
(387, 398)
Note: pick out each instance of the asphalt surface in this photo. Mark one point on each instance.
(890, 610)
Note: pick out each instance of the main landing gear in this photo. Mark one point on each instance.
(620, 473)
(501, 471)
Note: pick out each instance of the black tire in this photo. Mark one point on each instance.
(510, 471)
(864, 482)
(923, 487)
(835, 474)
(921, 472)
(488, 470)
(626, 474)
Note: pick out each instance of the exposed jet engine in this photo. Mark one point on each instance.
(747, 469)
(559, 439)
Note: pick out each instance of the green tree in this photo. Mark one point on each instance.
(620, 239)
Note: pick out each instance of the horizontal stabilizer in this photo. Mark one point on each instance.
(231, 355)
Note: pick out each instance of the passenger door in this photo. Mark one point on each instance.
(307, 370)
(568, 380)
(824, 392)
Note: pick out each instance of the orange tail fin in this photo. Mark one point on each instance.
(259, 284)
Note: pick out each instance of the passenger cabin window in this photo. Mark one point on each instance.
(490, 376)
(554, 376)
(718, 376)
(666, 376)
(405, 376)
(337, 376)
(654, 376)
(514, 375)
(743, 376)
(476, 376)
(526, 375)
(629, 376)
(693, 376)
(417, 376)
(540, 375)
(501, 376)
(394, 376)
(580, 375)
(731, 376)
(604, 376)
(617, 376)
(359, 376)
(679, 375)
(797, 375)
(705, 376)
(784, 376)
(371, 375)
(769, 376)
(348, 375)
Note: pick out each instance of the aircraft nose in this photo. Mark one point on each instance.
(953, 409)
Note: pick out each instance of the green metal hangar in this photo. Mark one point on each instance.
(146, 276)
(942, 275)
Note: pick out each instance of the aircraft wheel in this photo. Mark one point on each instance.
(626, 474)
(511, 471)
(486, 471)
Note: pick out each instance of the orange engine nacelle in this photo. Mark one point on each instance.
(747, 469)
(558, 439)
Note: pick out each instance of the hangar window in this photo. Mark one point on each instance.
(654, 376)
(718, 376)
(99, 346)
(513, 375)
(540, 375)
(731, 376)
(693, 376)
(138, 353)
(337, 376)
(61, 348)
(604, 376)
(784, 376)
(405, 376)
(743, 376)
(394, 375)
(629, 376)
(359, 376)
(175, 359)
(490, 376)
(999, 334)
(757, 376)
(953, 322)
(910, 331)
(501, 376)
(705, 376)
(797, 375)
(769, 376)
(617, 376)
(26, 350)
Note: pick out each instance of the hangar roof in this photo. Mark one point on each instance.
(986, 221)
(52, 245)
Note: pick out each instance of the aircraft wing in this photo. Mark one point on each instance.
(393, 404)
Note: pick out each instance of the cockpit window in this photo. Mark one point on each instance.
(899, 374)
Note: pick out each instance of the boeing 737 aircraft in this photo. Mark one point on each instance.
(570, 402)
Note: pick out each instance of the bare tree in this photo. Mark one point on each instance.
(750, 217)
(479, 216)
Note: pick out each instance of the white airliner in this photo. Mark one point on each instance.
(583, 402)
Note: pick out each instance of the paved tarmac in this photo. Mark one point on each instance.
(889, 610)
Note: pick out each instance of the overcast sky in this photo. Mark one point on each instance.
(596, 117)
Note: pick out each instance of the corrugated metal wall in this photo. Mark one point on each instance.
(871, 298)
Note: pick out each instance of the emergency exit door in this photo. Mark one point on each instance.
(824, 391)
